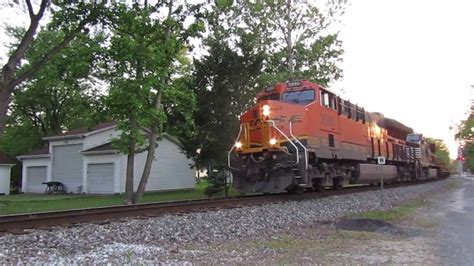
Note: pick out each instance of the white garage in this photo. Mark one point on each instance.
(100, 178)
(36, 175)
(5, 170)
(85, 161)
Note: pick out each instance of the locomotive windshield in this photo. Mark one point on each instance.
(274, 96)
(299, 97)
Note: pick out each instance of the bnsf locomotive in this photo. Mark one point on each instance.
(300, 135)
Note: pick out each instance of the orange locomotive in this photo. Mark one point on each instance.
(300, 135)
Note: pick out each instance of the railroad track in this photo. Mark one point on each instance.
(17, 223)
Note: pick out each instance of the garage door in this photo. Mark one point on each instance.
(67, 166)
(36, 175)
(100, 178)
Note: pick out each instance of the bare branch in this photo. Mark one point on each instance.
(9, 68)
(30, 9)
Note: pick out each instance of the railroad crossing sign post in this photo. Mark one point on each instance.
(381, 162)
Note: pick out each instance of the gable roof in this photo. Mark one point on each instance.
(39, 153)
(107, 147)
(82, 132)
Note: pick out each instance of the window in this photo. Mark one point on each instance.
(328, 100)
(331, 140)
(299, 97)
(274, 96)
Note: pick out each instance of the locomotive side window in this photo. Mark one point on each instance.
(299, 97)
(328, 100)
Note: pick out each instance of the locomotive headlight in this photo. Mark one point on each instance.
(272, 141)
(238, 144)
(266, 110)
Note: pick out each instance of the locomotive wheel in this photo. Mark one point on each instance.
(317, 186)
(337, 184)
(295, 189)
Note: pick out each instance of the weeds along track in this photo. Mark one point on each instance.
(17, 223)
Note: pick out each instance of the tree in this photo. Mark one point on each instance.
(62, 95)
(465, 134)
(72, 19)
(442, 151)
(251, 45)
(298, 40)
(224, 88)
(142, 58)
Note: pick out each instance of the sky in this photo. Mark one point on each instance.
(412, 60)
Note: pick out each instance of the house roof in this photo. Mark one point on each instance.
(42, 150)
(104, 147)
(80, 132)
(108, 147)
(39, 153)
(4, 159)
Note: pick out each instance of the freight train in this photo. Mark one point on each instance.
(300, 135)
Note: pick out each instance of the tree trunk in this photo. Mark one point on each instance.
(147, 168)
(154, 130)
(291, 67)
(130, 162)
(5, 98)
(151, 154)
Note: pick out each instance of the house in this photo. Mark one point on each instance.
(86, 162)
(5, 171)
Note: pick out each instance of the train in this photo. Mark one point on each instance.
(300, 135)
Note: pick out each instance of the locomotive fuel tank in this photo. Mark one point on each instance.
(372, 173)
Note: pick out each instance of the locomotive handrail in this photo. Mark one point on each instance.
(233, 146)
(292, 143)
(299, 142)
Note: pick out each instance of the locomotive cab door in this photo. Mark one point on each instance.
(329, 133)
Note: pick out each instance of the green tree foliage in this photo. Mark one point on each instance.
(61, 96)
(252, 44)
(298, 39)
(145, 52)
(442, 151)
(224, 82)
(465, 135)
(69, 18)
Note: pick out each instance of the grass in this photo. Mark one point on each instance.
(27, 203)
(393, 214)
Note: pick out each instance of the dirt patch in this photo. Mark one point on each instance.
(375, 225)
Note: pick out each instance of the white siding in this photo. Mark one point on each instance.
(5, 179)
(34, 162)
(67, 166)
(100, 138)
(170, 168)
(114, 159)
(36, 175)
(100, 178)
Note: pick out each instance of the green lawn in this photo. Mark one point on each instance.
(395, 213)
(26, 203)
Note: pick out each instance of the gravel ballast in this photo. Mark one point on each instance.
(161, 239)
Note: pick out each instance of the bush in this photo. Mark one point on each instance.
(216, 183)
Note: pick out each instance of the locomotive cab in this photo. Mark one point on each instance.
(269, 151)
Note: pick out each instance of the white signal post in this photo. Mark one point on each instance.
(381, 162)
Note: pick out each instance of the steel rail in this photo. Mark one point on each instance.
(18, 222)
